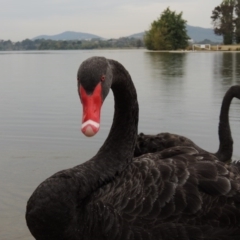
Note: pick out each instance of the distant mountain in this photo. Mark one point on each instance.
(68, 35)
(198, 34)
(137, 35)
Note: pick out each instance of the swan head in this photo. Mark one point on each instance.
(94, 81)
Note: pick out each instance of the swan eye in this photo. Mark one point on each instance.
(102, 78)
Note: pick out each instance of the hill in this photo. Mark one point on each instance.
(68, 35)
(198, 34)
(137, 35)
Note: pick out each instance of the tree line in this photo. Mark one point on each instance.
(43, 44)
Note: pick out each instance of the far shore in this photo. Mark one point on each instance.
(220, 47)
(205, 48)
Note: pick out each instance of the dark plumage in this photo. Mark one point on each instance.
(161, 141)
(174, 194)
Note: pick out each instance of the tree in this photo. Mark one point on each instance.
(223, 20)
(167, 33)
(237, 21)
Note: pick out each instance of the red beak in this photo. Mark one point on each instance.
(91, 110)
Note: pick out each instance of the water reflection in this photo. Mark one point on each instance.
(167, 65)
(167, 72)
(227, 68)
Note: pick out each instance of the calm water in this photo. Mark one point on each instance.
(41, 113)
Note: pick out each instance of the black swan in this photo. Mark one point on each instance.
(174, 194)
(161, 141)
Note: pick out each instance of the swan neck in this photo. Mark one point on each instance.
(121, 140)
(224, 113)
(225, 137)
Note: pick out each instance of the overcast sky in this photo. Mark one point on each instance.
(21, 19)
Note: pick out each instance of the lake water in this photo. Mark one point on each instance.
(41, 113)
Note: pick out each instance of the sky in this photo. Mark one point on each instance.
(21, 19)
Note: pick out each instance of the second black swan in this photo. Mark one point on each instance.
(153, 143)
(174, 194)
